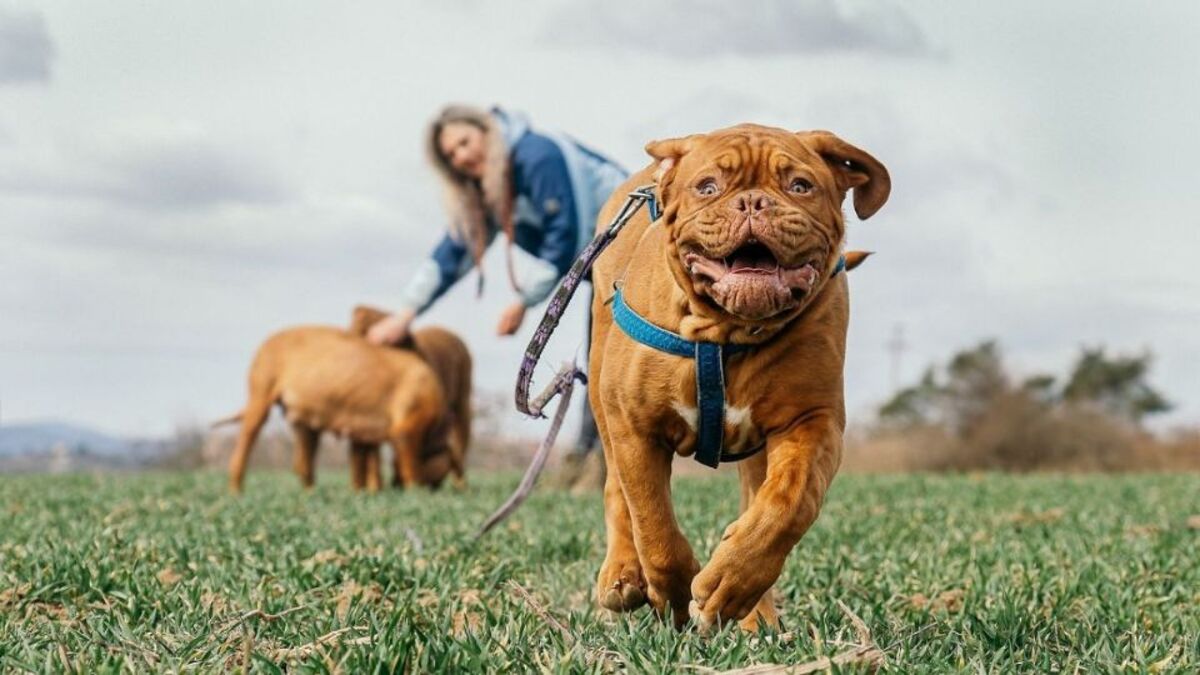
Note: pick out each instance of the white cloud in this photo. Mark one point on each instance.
(26, 49)
(191, 175)
(716, 27)
(183, 170)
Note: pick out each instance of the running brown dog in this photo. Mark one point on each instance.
(745, 253)
(328, 379)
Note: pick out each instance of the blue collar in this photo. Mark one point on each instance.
(710, 375)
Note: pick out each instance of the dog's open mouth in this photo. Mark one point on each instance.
(750, 282)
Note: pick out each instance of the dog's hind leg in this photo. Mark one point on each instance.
(305, 455)
(358, 464)
(253, 417)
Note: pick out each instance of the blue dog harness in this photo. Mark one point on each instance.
(710, 371)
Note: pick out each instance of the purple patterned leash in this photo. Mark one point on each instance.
(564, 382)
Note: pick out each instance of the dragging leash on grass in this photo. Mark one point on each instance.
(564, 382)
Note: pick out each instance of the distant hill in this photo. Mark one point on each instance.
(36, 438)
(63, 446)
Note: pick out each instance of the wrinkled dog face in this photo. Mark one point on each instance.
(755, 214)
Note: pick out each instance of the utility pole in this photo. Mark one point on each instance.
(897, 346)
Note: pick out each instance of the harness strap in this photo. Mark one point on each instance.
(641, 330)
(710, 402)
(710, 377)
(647, 333)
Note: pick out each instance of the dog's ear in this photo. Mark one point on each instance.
(856, 258)
(363, 318)
(853, 169)
(668, 153)
(671, 149)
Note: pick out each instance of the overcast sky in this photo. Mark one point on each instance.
(178, 180)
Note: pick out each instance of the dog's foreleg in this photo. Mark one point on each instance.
(751, 474)
(620, 585)
(371, 467)
(406, 465)
(800, 464)
(643, 471)
(305, 453)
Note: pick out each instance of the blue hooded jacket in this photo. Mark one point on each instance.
(559, 188)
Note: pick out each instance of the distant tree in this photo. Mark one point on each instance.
(1116, 385)
(975, 379)
(1041, 388)
(914, 406)
(993, 420)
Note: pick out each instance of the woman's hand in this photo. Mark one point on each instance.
(390, 330)
(511, 318)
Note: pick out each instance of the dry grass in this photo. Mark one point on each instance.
(1017, 436)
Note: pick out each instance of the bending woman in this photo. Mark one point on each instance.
(542, 191)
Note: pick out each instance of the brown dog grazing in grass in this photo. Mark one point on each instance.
(451, 362)
(745, 255)
(328, 379)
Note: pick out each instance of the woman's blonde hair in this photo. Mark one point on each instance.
(470, 201)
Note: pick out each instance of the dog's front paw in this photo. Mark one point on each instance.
(732, 586)
(621, 586)
(763, 616)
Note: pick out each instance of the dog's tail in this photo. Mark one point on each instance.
(236, 417)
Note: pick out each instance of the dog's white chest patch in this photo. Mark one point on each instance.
(739, 424)
(688, 413)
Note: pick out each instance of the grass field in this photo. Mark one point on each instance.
(979, 573)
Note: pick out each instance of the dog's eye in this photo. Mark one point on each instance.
(707, 187)
(800, 186)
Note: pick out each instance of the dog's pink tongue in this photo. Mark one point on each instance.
(701, 266)
(802, 278)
